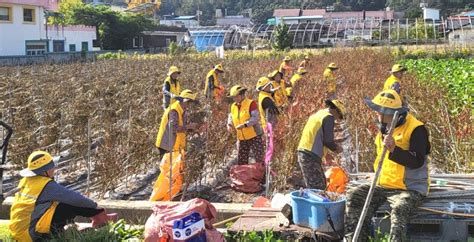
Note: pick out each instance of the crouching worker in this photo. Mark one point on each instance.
(404, 178)
(244, 121)
(317, 138)
(43, 207)
(171, 143)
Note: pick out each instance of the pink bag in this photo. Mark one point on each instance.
(159, 226)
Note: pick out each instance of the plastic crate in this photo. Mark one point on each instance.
(309, 211)
(190, 228)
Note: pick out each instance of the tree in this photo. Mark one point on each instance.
(115, 30)
(66, 10)
(282, 37)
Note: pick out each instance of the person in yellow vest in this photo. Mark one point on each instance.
(285, 67)
(213, 85)
(279, 86)
(317, 138)
(173, 127)
(295, 79)
(42, 207)
(404, 178)
(244, 120)
(305, 62)
(266, 103)
(393, 82)
(330, 80)
(171, 87)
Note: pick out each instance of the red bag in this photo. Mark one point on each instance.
(247, 178)
(159, 226)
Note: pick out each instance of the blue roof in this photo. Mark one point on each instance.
(185, 18)
(467, 14)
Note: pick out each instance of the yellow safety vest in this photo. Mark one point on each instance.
(280, 94)
(216, 82)
(240, 116)
(389, 82)
(261, 96)
(394, 175)
(295, 79)
(312, 137)
(285, 69)
(330, 80)
(178, 140)
(27, 218)
(174, 88)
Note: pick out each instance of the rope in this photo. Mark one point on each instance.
(227, 220)
(447, 213)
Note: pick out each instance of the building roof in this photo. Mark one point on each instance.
(313, 12)
(467, 14)
(291, 12)
(233, 20)
(360, 14)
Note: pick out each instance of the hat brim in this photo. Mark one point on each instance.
(401, 70)
(384, 110)
(241, 90)
(29, 173)
(330, 103)
(171, 73)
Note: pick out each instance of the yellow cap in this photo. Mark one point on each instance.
(397, 68)
(173, 69)
(301, 70)
(219, 67)
(287, 58)
(38, 163)
(386, 102)
(236, 90)
(188, 94)
(262, 83)
(274, 73)
(333, 66)
(339, 105)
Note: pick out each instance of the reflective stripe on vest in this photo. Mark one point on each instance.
(389, 82)
(240, 116)
(26, 214)
(174, 88)
(330, 80)
(312, 136)
(396, 176)
(263, 116)
(178, 140)
(216, 81)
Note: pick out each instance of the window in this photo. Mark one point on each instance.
(72, 48)
(168, 41)
(58, 45)
(5, 14)
(36, 47)
(84, 46)
(456, 36)
(28, 15)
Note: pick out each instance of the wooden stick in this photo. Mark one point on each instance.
(227, 220)
(447, 213)
(374, 182)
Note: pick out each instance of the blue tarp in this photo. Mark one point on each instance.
(205, 41)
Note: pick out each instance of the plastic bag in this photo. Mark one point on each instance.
(161, 189)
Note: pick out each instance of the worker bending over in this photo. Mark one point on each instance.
(295, 82)
(404, 178)
(279, 87)
(43, 207)
(305, 62)
(171, 87)
(316, 139)
(244, 120)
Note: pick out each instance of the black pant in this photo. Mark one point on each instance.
(66, 213)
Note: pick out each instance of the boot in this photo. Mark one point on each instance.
(102, 218)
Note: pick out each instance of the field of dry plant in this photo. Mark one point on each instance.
(51, 106)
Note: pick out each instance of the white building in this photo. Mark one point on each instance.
(23, 30)
(430, 13)
(181, 21)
